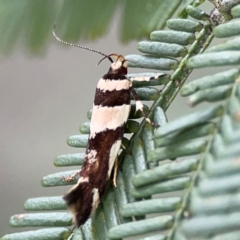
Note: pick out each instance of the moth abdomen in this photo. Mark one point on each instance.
(101, 152)
(82, 200)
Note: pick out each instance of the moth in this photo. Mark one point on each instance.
(111, 109)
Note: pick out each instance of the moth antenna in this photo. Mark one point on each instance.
(108, 56)
(76, 45)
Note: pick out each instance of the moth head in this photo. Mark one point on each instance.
(118, 66)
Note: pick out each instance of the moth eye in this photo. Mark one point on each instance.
(124, 70)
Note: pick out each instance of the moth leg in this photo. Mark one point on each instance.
(72, 233)
(71, 177)
(71, 236)
(139, 77)
(139, 106)
(115, 172)
(123, 147)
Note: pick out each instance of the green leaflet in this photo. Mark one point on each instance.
(32, 21)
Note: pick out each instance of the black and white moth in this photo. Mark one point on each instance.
(110, 113)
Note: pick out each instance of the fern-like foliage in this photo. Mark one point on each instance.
(32, 21)
(180, 181)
